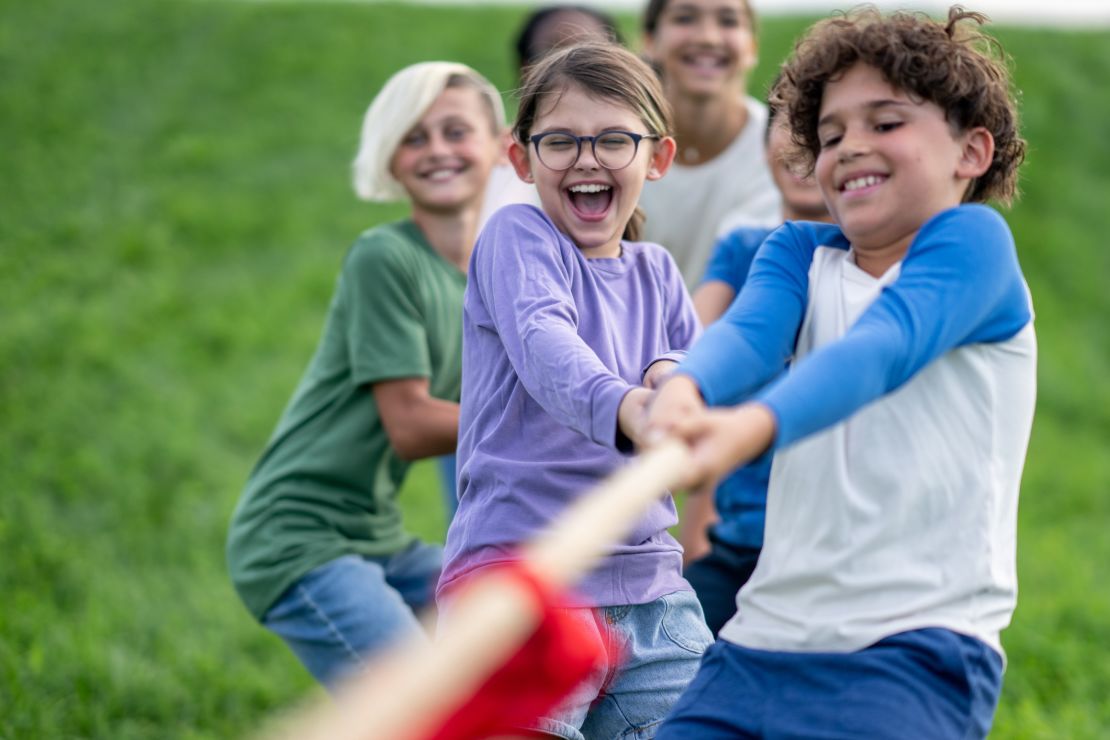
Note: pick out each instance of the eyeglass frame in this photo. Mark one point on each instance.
(636, 139)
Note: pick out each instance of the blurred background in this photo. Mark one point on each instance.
(174, 208)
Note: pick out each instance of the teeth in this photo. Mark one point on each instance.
(590, 187)
(707, 59)
(862, 182)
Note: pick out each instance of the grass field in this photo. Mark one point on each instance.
(175, 205)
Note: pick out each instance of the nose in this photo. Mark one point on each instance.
(586, 159)
(853, 143)
(707, 30)
(438, 145)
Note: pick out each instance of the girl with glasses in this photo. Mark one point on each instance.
(563, 311)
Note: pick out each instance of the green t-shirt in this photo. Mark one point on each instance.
(326, 484)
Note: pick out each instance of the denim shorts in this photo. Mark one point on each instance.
(660, 646)
(929, 684)
(340, 613)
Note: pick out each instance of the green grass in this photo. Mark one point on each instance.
(174, 209)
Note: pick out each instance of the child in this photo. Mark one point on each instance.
(900, 430)
(560, 316)
(703, 51)
(556, 26)
(722, 534)
(317, 550)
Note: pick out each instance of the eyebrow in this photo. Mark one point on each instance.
(873, 105)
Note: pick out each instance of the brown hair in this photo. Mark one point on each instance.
(605, 71)
(951, 64)
(655, 9)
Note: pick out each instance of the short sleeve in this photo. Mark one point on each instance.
(382, 320)
(733, 255)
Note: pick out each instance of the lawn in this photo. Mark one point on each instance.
(175, 206)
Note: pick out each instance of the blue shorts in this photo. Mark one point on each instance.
(924, 684)
(344, 611)
(662, 643)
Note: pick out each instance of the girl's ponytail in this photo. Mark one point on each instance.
(634, 230)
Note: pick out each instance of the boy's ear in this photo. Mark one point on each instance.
(661, 157)
(977, 154)
(518, 156)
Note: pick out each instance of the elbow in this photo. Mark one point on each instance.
(406, 446)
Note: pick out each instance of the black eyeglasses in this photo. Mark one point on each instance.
(613, 150)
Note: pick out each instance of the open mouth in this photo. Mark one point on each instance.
(441, 174)
(590, 201)
(705, 61)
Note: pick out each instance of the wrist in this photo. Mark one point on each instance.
(680, 383)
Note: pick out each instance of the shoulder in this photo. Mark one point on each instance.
(970, 222)
(807, 236)
(519, 216)
(654, 255)
(520, 239)
(516, 227)
(742, 240)
(651, 259)
(974, 235)
(388, 244)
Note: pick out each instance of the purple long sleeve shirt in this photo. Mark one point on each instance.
(552, 342)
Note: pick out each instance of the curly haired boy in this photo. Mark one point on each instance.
(900, 432)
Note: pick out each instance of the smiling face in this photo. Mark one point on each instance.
(801, 198)
(444, 161)
(588, 203)
(704, 48)
(888, 163)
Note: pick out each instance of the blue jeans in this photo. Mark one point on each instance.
(342, 612)
(661, 644)
(930, 684)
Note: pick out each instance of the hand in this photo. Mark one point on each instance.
(657, 372)
(632, 414)
(724, 439)
(677, 398)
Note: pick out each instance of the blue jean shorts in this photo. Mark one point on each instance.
(929, 684)
(660, 643)
(342, 612)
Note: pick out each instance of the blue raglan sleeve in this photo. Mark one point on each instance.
(524, 282)
(960, 283)
(732, 256)
(748, 346)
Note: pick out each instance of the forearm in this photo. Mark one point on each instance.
(430, 429)
(418, 424)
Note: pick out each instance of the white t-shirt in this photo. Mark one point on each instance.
(920, 535)
(688, 207)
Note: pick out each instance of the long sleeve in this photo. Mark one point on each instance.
(960, 283)
(524, 280)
